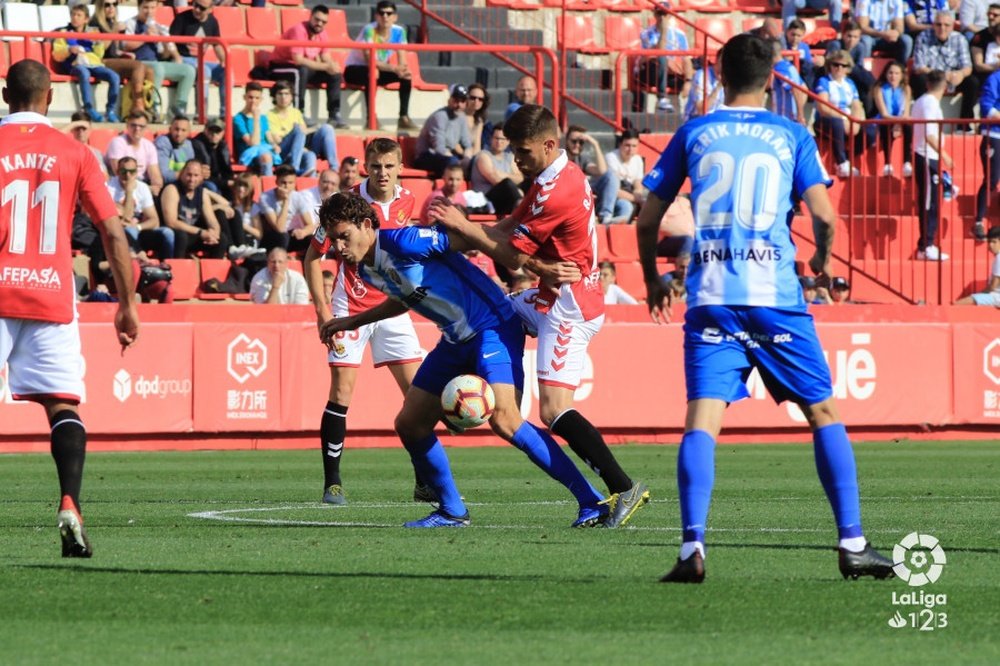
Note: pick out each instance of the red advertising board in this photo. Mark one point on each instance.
(977, 372)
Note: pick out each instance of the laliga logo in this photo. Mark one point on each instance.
(122, 385)
(246, 358)
(906, 557)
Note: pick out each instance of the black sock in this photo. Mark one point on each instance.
(332, 430)
(69, 449)
(587, 443)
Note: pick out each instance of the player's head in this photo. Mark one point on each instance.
(454, 178)
(284, 178)
(746, 65)
(350, 225)
(534, 138)
(993, 239)
(29, 87)
(383, 162)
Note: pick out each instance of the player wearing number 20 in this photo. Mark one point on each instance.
(43, 175)
(745, 306)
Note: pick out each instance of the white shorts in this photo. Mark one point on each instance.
(563, 336)
(988, 298)
(44, 359)
(393, 341)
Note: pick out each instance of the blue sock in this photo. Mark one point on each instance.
(544, 452)
(839, 476)
(695, 477)
(431, 462)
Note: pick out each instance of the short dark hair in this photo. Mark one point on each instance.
(455, 167)
(283, 170)
(576, 128)
(346, 207)
(27, 81)
(253, 85)
(531, 121)
(127, 158)
(746, 64)
(936, 79)
(180, 117)
(629, 133)
(136, 115)
(382, 146)
(849, 26)
(993, 233)
(280, 86)
(83, 115)
(796, 24)
(319, 9)
(385, 4)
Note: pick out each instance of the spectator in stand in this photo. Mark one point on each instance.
(174, 149)
(625, 169)
(989, 153)
(161, 58)
(928, 151)
(287, 130)
(986, 53)
(990, 295)
(584, 151)
(199, 22)
(132, 143)
(526, 92)
(391, 64)
(834, 8)
(452, 188)
(984, 36)
(243, 225)
(664, 72)
(792, 41)
(121, 62)
(138, 211)
(706, 92)
(769, 28)
(327, 184)
(277, 284)
(840, 291)
(212, 151)
(838, 90)
(918, 15)
(786, 99)
(893, 99)
(850, 41)
(882, 26)
(284, 214)
(476, 114)
(187, 209)
(495, 175)
(941, 48)
(973, 16)
(315, 64)
(79, 128)
(350, 173)
(613, 294)
(82, 59)
(444, 139)
(250, 129)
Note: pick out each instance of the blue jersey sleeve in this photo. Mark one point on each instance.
(414, 243)
(808, 170)
(667, 177)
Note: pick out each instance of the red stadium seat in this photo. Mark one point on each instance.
(417, 81)
(100, 137)
(306, 182)
(164, 15)
(186, 278)
(603, 248)
(239, 64)
(262, 23)
(623, 243)
(409, 145)
(350, 145)
(721, 29)
(421, 189)
(580, 34)
(292, 15)
(630, 278)
(622, 32)
(212, 268)
(336, 28)
(231, 21)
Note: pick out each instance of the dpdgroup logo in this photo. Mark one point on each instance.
(246, 358)
(124, 386)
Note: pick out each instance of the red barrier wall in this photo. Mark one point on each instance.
(242, 374)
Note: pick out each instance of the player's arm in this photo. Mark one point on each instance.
(384, 310)
(647, 230)
(120, 260)
(824, 217)
(490, 240)
(312, 271)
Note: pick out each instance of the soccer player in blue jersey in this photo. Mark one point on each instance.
(422, 268)
(745, 306)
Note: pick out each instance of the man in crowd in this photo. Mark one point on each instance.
(187, 209)
(132, 143)
(285, 216)
(444, 138)
(174, 149)
(137, 211)
(277, 284)
(199, 22)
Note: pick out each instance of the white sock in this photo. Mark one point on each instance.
(854, 544)
(688, 549)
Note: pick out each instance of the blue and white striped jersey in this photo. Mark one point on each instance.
(746, 165)
(842, 93)
(415, 266)
(782, 99)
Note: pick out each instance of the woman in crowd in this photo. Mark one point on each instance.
(893, 99)
(121, 62)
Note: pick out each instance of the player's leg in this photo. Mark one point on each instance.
(333, 430)
(404, 373)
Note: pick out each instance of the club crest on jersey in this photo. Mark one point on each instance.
(358, 288)
(401, 219)
(320, 234)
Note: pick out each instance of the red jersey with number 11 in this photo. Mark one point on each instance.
(43, 173)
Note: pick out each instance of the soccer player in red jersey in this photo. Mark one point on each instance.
(43, 174)
(393, 341)
(551, 232)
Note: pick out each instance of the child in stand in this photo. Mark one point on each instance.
(893, 99)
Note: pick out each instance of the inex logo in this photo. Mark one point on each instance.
(911, 559)
(246, 358)
(991, 361)
(122, 386)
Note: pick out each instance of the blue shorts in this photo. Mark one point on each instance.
(495, 354)
(722, 344)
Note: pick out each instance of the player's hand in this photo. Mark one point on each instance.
(659, 299)
(446, 214)
(331, 327)
(127, 324)
(821, 267)
(559, 273)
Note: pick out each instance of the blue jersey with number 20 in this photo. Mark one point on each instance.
(746, 165)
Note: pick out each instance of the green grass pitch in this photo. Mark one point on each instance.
(214, 557)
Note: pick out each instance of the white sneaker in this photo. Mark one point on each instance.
(664, 105)
(907, 169)
(887, 170)
(844, 169)
(932, 253)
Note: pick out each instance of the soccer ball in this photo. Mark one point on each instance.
(468, 401)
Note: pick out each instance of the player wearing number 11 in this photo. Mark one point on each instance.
(43, 175)
(745, 307)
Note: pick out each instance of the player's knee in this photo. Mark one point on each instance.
(821, 414)
(410, 427)
(505, 421)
